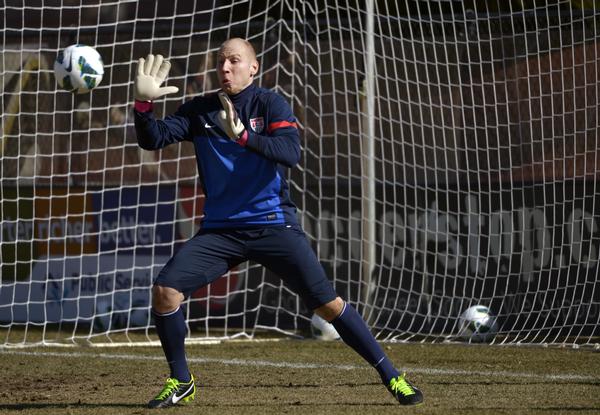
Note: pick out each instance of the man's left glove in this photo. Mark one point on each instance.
(230, 122)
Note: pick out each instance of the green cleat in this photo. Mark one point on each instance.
(174, 392)
(404, 392)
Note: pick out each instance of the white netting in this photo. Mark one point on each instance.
(450, 158)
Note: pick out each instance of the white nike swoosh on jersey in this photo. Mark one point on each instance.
(178, 398)
(207, 125)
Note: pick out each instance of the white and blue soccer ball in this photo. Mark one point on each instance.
(322, 329)
(477, 324)
(78, 68)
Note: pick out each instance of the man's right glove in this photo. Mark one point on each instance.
(151, 73)
(230, 122)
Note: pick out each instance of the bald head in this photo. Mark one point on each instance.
(236, 65)
(237, 43)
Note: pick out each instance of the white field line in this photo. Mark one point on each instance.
(292, 365)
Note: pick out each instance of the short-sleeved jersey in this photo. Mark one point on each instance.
(245, 186)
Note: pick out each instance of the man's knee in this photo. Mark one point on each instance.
(330, 310)
(165, 299)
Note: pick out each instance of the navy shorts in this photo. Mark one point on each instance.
(284, 250)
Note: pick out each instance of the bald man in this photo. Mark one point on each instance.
(245, 139)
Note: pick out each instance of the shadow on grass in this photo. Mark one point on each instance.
(50, 405)
(65, 406)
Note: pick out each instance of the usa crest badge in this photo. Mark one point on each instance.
(257, 124)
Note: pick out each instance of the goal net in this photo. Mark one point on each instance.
(450, 157)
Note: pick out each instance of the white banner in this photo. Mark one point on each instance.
(107, 290)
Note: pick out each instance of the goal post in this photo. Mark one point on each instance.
(368, 208)
(450, 157)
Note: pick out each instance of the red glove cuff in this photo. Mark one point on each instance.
(243, 140)
(143, 106)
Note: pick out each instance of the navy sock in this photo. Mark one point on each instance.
(171, 330)
(355, 333)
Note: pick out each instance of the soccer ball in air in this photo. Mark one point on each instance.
(78, 68)
(478, 324)
(322, 330)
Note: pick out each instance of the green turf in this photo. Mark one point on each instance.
(302, 377)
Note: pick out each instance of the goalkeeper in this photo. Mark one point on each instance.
(245, 139)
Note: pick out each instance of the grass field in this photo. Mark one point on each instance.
(302, 377)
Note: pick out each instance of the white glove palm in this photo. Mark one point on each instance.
(151, 73)
(228, 119)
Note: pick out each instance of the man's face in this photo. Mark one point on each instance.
(236, 66)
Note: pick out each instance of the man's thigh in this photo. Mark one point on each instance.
(285, 250)
(201, 260)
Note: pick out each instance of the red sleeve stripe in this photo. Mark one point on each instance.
(280, 124)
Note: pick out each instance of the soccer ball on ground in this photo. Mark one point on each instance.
(322, 330)
(478, 324)
(78, 68)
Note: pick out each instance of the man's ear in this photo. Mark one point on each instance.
(254, 68)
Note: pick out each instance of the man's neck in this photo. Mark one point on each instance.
(242, 94)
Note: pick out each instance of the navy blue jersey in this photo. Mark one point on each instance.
(244, 186)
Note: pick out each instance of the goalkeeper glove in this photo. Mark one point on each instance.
(151, 73)
(230, 122)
